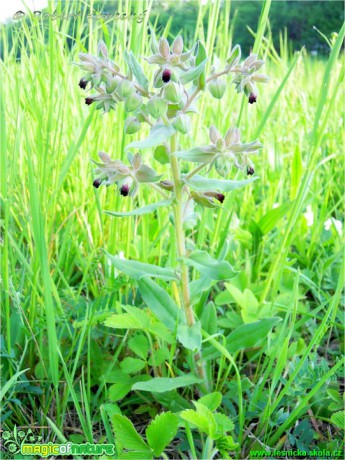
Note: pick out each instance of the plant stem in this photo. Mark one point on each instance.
(181, 248)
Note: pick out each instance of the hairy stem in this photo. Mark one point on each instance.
(181, 248)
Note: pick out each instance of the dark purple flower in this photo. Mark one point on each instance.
(220, 197)
(89, 100)
(97, 183)
(166, 75)
(252, 98)
(83, 84)
(124, 190)
(250, 171)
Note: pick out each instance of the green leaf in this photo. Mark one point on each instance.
(235, 56)
(135, 455)
(269, 221)
(212, 400)
(224, 423)
(139, 345)
(138, 270)
(133, 319)
(163, 384)
(127, 436)
(138, 212)
(132, 365)
(204, 154)
(190, 336)
(136, 70)
(209, 319)
(161, 432)
(159, 301)
(193, 73)
(212, 268)
(202, 418)
(201, 184)
(200, 82)
(338, 419)
(250, 310)
(249, 335)
(158, 135)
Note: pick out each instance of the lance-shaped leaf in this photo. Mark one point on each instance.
(163, 384)
(136, 70)
(138, 270)
(158, 135)
(234, 57)
(204, 154)
(207, 265)
(203, 185)
(193, 73)
(140, 211)
(162, 305)
(250, 335)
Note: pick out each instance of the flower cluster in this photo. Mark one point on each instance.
(127, 178)
(165, 105)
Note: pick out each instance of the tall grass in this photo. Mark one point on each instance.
(54, 275)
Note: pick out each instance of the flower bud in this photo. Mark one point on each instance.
(223, 166)
(97, 182)
(83, 83)
(112, 85)
(161, 154)
(156, 107)
(217, 88)
(89, 100)
(132, 125)
(219, 196)
(166, 185)
(182, 123)
(250, 170)
(124, 89)
(133, 102)
(252, 98)
(166, 75)
(173, 93)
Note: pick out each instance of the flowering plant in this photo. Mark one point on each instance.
(166, 106)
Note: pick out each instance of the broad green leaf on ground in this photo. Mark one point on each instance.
(127, 436)
(202, 184)
(161, 432)
(139, 345)
(136, 70)
(212, 400)
(135, 455)
(224, 423)
(158, 135)
(190, 336)
(140, 211)
(272, 217)
(133, 319)
(163, 384)
(338, 419)
(207, 265)
(249, 335)
(202, 418)
(138, 270)
(132, 365)
(159, 301)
